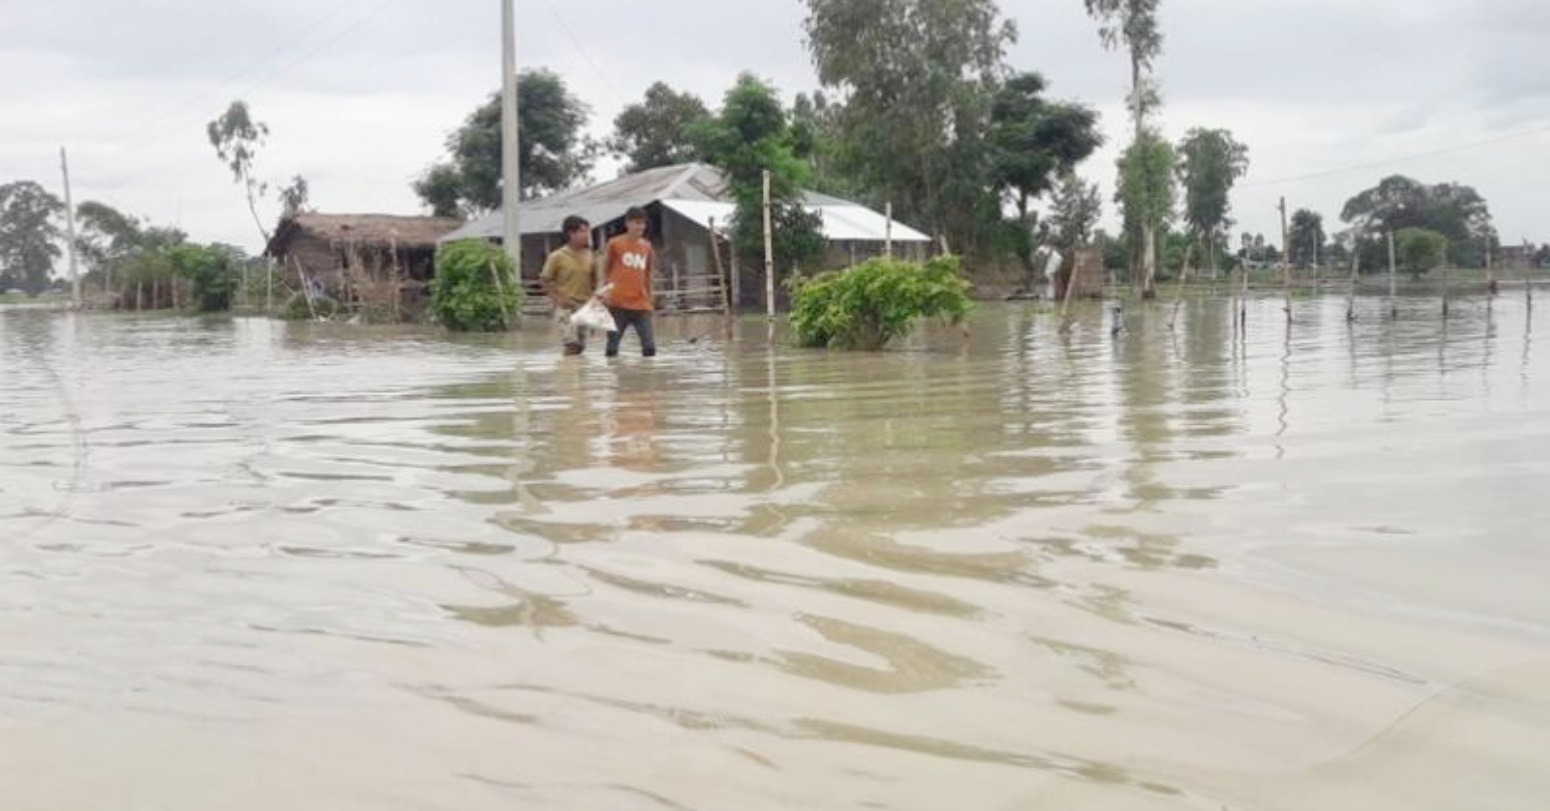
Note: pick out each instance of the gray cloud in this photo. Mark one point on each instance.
(360, 93)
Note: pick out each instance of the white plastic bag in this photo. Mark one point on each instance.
(593, 315)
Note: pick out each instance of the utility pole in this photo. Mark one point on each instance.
(511, 163)
(75, 267)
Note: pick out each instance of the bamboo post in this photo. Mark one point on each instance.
(769, 252)
(306, 287)
(1528, 283)
(500, 292)
(1393, 279)
(1356, 257)
(1447, 279)
(1286, 261)
(737, 279)
(1178, 290)
(398, 284)
(1490, 271)
(1065, 299)
(721, 280)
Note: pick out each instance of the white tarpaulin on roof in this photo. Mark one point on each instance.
(841, 223)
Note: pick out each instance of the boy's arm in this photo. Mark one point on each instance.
(651, 271)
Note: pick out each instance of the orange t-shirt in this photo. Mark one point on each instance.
(629, 271)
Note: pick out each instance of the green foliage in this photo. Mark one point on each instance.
(298, 308)
(654, 132)
(236, 136)
(1147, 191)
(1210, 161)
(212, 272)
(1131, 24)
(816, 137)
(554, 152)
(870, 304)
(29, 236)
(464, 294)
(749, 135)
(1307, 237)
(1076, 209)
(1456, 211)
(1036, 140)
(295, 197)
(1420, 251)
(917, 76)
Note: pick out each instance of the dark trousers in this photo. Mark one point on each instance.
(641, 321)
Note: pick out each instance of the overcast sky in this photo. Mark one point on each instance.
(1330, 95)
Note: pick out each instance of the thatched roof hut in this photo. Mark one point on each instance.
(362, 259)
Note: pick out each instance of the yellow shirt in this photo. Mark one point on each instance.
(568, 272)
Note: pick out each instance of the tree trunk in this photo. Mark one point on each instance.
(1148, 228)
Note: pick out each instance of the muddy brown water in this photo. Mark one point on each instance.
(254, 565)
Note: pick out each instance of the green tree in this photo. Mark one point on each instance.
(917, 77)
(296, 197)
(1075, 211)
(211, 271)
(1456, 211)
(752, 134)
(1146, 195)
(104, 238)
(237, 136)
(1035, 142)
(1420, 251)
(1133, 25)
(555, 154)
(1210, 161)
(817, 137)
(1307, 238)
(29, 236)
(654, 132)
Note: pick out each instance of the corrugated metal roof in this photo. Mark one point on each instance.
(842, 222)
(693, 187)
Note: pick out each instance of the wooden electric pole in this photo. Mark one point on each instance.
(75, 267)
(511, 163)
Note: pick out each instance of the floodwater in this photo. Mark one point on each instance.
(251, 566)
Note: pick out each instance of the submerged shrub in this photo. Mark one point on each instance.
(866, 306)
(466, 296)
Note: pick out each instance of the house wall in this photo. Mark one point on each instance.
(380, 276)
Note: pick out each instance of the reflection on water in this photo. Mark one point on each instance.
(1174, 566)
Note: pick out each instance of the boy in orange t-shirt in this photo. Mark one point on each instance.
(629, 264)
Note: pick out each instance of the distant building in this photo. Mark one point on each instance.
(682, 202)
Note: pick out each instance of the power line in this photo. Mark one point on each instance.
(136, 135)
(582, 49)
(297, 62)
(346, 31)
(1392, 161)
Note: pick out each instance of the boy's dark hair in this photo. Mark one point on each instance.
(574, 223)
(635, 213)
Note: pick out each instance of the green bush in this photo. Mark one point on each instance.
(210, 270)
(464, 295)
(1420, 251)
(867, 306)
